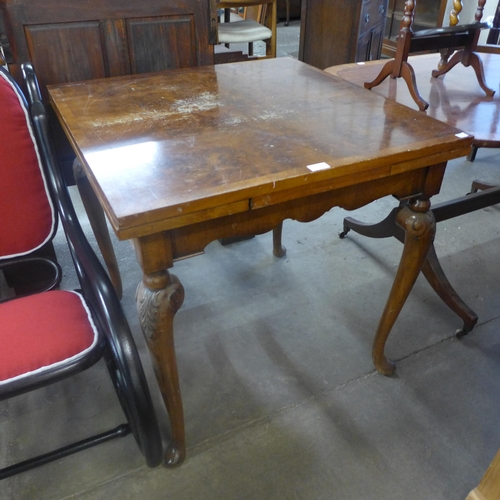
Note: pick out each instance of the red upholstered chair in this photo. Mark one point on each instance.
(27, 217)
(52, 335)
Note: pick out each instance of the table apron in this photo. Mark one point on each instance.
(159, 251)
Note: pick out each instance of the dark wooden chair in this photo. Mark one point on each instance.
(457, 43)
(52, 335)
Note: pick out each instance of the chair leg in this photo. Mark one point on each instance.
(386, 71)
(472, 60)
(120, 431)
(98, 224)
(477, 64)
(407, 73)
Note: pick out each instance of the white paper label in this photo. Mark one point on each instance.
(318, 166)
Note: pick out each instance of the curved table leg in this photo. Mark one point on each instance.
(159, 297)
(98, 224)
(431, 269)
(278, 249)
(434, 274)
(383, 229)
(418, 222)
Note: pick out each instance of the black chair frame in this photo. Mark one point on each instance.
(116, 345)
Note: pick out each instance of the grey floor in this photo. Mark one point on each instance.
(281, 399)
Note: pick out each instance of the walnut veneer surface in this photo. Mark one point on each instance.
(183, 157)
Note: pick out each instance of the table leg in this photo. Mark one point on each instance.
(418, 222)
(278, 249)
(97, 221)
(159, 297)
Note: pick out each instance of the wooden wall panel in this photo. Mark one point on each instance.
(74, 40)
(54, 50)
(161, 43)
(120, 36)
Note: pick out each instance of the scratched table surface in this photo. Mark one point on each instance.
(159, 147)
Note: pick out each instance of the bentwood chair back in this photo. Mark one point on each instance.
(52, 335)
(28, 218)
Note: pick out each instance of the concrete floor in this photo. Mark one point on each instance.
(281, 399)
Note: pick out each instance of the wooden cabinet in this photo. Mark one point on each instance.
(428, 14)
(341, 31)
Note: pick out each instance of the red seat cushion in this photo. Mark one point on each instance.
(43, 330)
(27, 217)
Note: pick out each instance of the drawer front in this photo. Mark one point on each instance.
(372, 13)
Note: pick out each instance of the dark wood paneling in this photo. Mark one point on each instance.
(94, 38)
(54, 49)
(160, 43)
(87, 39)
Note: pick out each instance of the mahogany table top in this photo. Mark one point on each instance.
(168, 149)
(455, 98)
(181, 158)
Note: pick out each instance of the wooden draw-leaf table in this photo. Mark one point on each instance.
(180, 158)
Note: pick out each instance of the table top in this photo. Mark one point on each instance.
(167, 149)
(455, 98)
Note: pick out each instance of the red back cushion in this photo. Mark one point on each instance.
(27, 217)
(43, 330)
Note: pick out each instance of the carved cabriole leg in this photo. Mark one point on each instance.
(418, 222)
(98, 223)
(159, 296)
